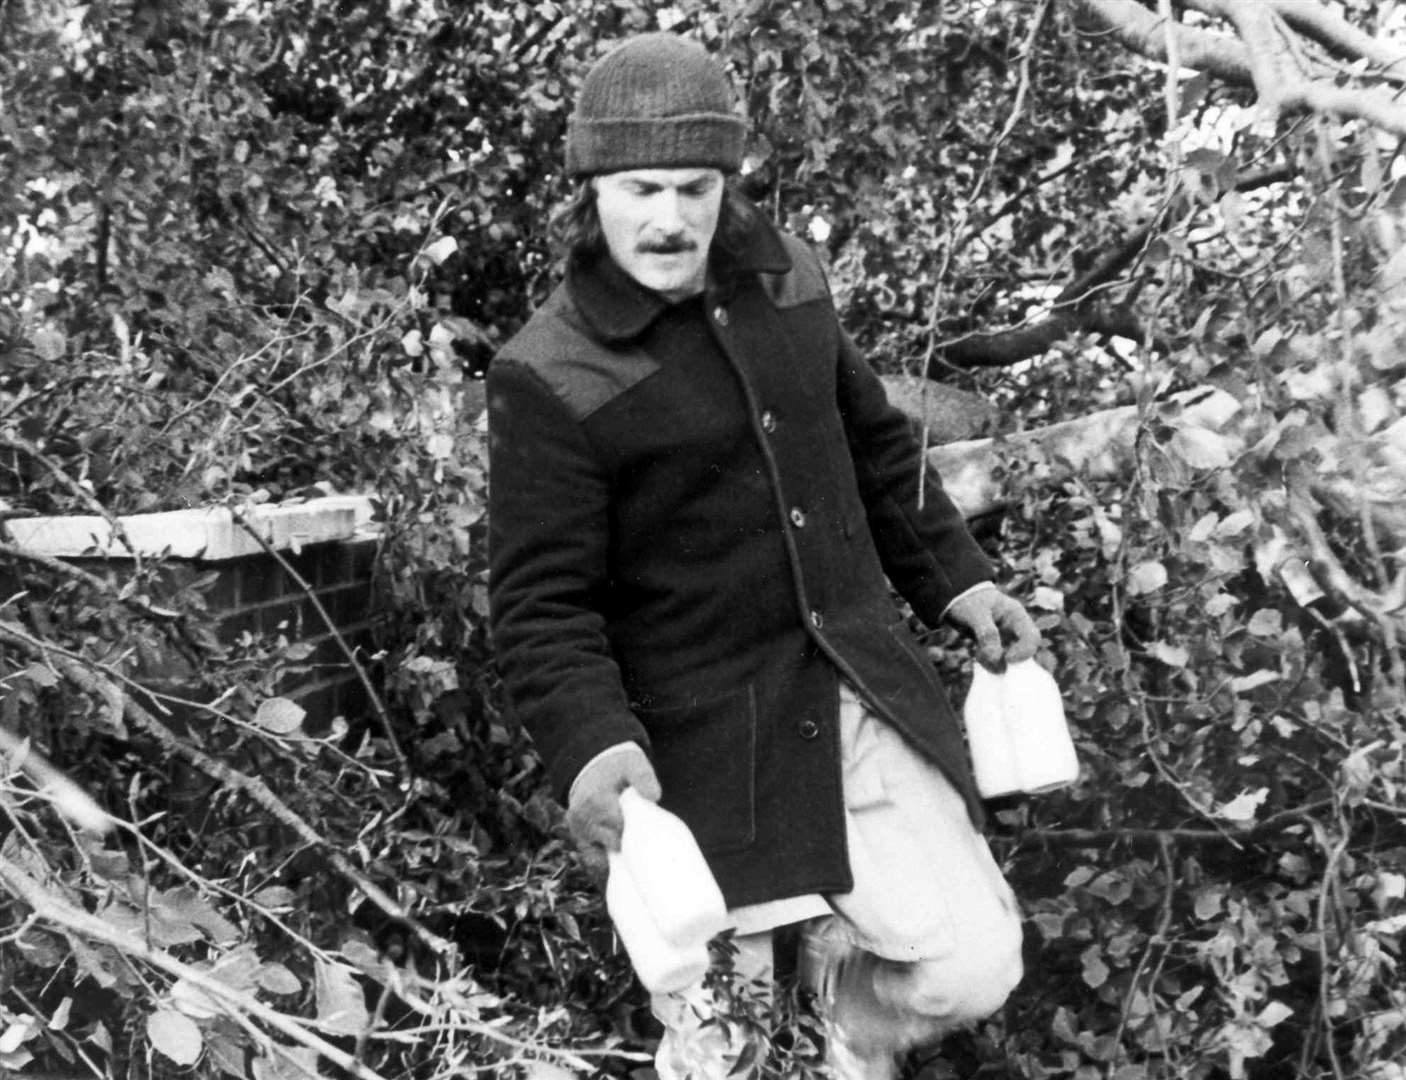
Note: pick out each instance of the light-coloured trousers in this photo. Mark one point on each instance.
(930, 914)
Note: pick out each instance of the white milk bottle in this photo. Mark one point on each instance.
(662, 967)
(993, 757)
(662, 897)
(1035, 724)
(1016, 731)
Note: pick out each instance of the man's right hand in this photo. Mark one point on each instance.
(593, 808)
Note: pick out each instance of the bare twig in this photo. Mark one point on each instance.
(1156, 939)
(375, 698)
(1170, 88)
(1326, 953)
(1269, 827)
(67, 569)
(959, 228)
(24, 446)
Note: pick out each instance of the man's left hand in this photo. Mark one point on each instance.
(1004, 631)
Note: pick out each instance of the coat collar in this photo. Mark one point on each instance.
(619, 308)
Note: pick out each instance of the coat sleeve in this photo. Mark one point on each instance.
(922, 539)
(548, 524)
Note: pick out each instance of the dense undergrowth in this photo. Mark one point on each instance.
(260, 251)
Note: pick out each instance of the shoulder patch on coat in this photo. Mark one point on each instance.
(584, 375)
(803, 283)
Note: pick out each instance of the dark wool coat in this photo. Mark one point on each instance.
(692, 511)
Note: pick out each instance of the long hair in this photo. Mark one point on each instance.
(575, 227)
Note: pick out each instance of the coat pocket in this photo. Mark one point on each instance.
(705, 755)
(912, 648)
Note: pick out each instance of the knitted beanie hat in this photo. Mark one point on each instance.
(657, 101)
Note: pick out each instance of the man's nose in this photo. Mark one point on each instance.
(669, 215)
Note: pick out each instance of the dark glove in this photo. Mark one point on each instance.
(593, 807)
(1004, 631)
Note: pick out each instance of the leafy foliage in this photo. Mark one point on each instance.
(262, 250)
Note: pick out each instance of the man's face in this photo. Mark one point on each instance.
(659, 223)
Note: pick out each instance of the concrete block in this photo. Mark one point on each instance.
(209, 534)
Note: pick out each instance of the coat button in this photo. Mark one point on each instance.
(720, 314)
(817, 620)
(768, 421)
(798, 517)
(808, 728)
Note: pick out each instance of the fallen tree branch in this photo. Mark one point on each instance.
(1001, 348)
(1341, 37)
(1272, 65)
(1267, 53)
(251, 787)
(1386, 609)
(1099, 445)
(1141, 31)
(52, 908)
(1074, 310)
(66, 796)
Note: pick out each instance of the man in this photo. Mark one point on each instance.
(698, 497)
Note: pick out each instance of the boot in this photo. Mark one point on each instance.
(861, 1034)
